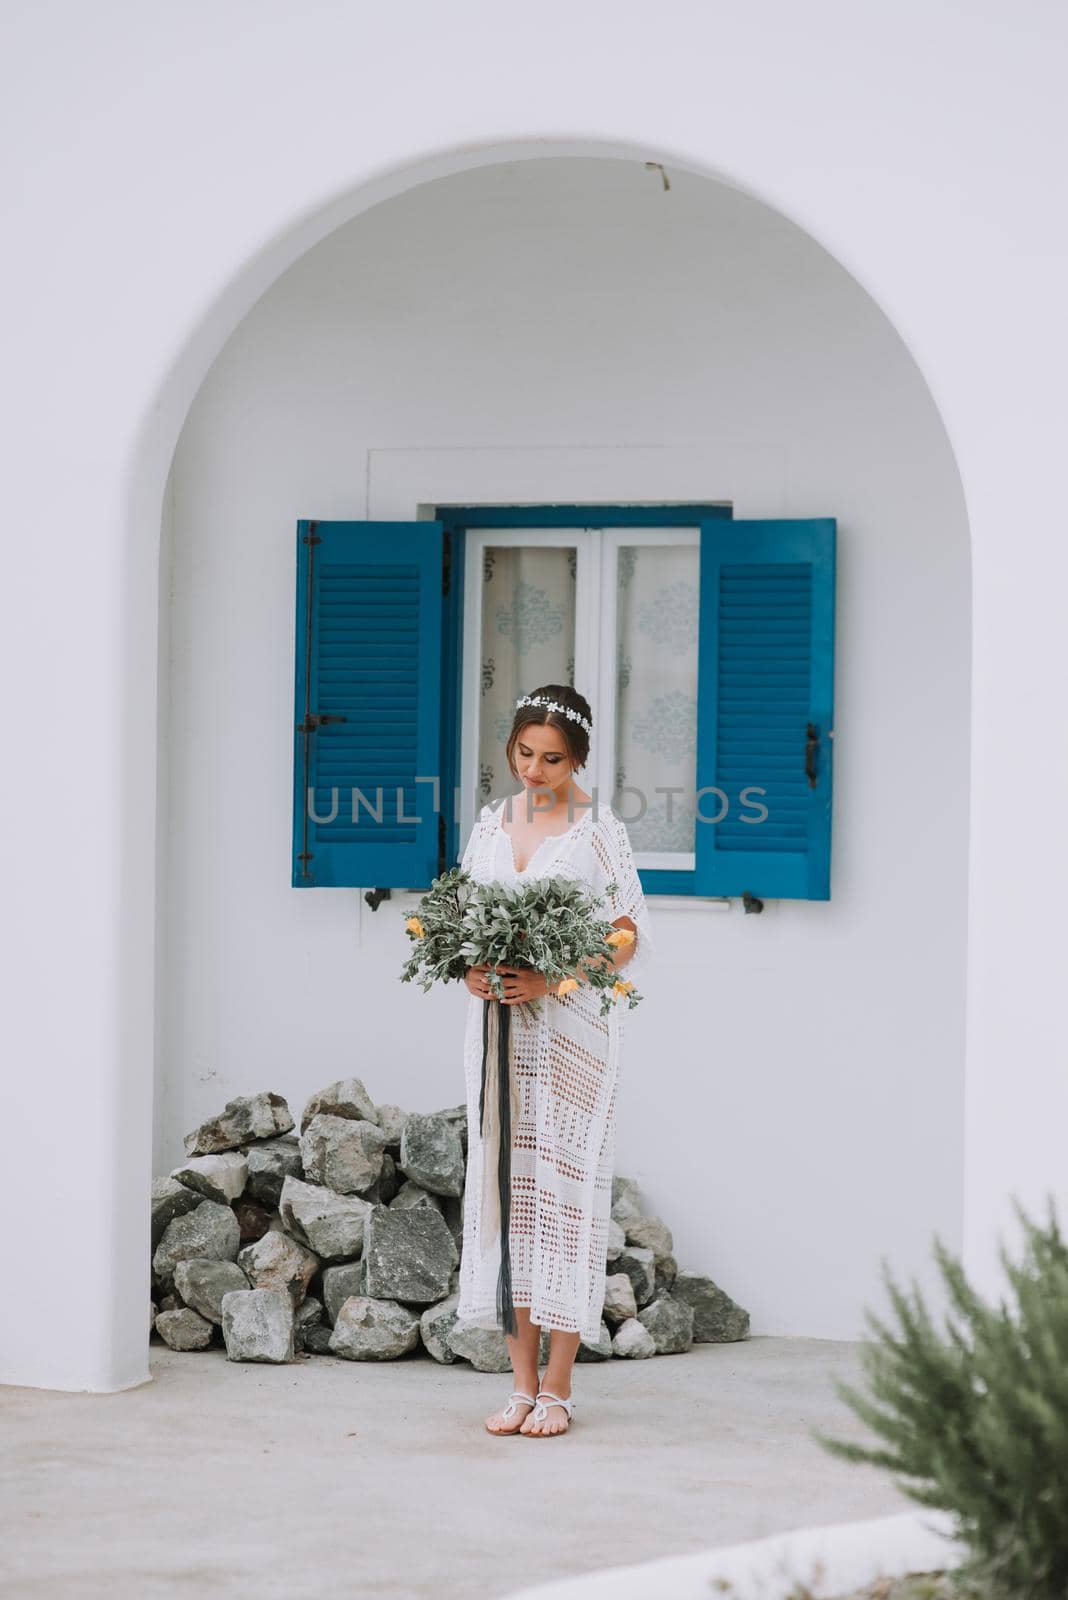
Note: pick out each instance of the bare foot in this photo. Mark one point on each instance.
(512, 1416)
(554, 1420)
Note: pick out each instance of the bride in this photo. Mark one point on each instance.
(566, 1063)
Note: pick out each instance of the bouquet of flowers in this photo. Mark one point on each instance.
(550, 924)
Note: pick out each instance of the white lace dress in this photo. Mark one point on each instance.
(567, 1068)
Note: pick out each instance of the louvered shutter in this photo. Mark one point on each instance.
(764, 708)
(369, 705)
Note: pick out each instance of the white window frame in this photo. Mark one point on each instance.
(596, 635)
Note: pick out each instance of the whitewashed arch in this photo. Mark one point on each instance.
(945, 265)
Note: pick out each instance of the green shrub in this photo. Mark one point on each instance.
(975, 1419)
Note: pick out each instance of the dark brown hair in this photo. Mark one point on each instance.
(576, 738)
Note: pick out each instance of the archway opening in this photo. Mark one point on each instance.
(569, 327)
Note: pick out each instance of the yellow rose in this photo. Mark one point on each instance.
(413, 925)
(566, 985)
(621, 936)
(622, 986)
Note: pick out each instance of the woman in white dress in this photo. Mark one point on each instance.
(565, 1064)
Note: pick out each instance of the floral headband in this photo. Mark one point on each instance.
(554, 705)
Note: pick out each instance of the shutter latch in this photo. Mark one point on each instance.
(313, 720)
(812, 744)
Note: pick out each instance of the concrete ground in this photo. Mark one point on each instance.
(339, 1478)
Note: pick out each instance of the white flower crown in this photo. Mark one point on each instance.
(554, 705)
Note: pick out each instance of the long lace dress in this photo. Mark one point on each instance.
(567, 1067)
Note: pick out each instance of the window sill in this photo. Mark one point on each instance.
(689, 902)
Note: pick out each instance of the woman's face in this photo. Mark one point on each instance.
(541, 757)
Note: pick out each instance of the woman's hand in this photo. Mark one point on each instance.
(519, 983)
(475, 979)
(522, 983)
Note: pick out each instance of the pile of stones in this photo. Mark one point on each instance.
(345, 1240)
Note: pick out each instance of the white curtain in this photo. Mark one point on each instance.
(656, 695)
(528, 638)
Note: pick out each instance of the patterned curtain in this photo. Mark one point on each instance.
(528, 638)
(656, 697)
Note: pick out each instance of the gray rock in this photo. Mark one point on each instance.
(252, 1218)
(338, 1284)
(330, 1224)
(457, 1115)
(435, 1326)
(639, 1265)
(665, 1273)
(599, 1350)
(633, 1341)
(172, 1302)
(269, 1165)
(650, 1233)
(153, 1313)
(257, 1325)
(316, 1339)
(452, 1209)
(369, 1329)
(220, 1177)
(670, 1322)
(210, 1231)
(485, 1348)
(432, 1153)
(407, 1255)
(343, 1154)
(391, 1120)
(170, 1199)
(717, 1319)
(626, 1199)
(309, 1314)
(257, 1116)
(202, 1285)
(278, 1262)
(412, 1194)
(619, 1301)
(183, 1330)
(617, 1239)
(386, 1184)
(345, 1098)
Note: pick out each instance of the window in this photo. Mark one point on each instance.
(704, 645)
(634, 591)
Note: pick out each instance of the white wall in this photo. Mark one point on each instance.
(775, 1072)
(187, 158)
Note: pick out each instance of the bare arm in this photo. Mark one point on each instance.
(619, 956)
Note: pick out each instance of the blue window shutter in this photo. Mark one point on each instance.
(370, 715)
(765, 707)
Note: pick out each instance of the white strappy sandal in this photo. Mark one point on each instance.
(541, 1411)
(510, 1410)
